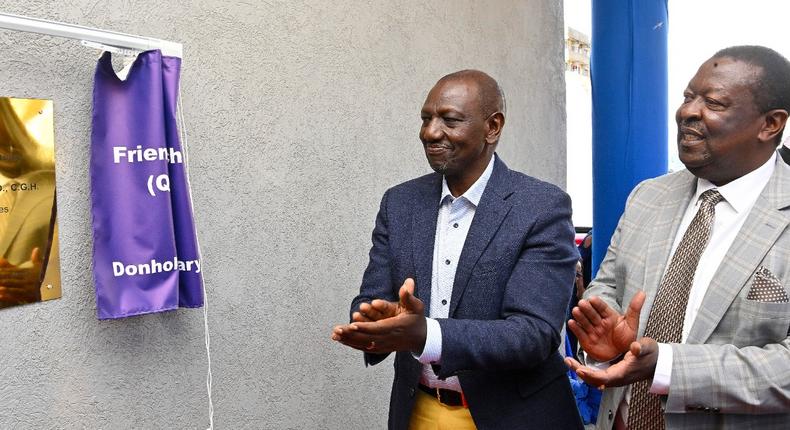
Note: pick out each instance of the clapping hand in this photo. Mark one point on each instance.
(383, 326)
(603, 333)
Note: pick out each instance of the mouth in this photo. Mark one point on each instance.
(436, 149)
(688, 136)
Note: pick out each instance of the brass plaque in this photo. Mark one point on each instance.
(29, 255)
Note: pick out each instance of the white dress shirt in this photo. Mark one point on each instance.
(730, 214)
(452, 225)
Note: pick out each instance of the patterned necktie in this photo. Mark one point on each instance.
(665, 322)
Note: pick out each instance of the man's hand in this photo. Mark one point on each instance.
(380, 309)
(603, 333)
(384, 327)
(638, 364)
(21, 284)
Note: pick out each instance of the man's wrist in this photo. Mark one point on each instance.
(663, 373)
(431, 352)
(422, 335)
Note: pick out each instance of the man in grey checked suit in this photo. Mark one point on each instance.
(730, 365)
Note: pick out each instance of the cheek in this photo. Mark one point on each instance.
(728, 135)
(456, 138)
(731, 125)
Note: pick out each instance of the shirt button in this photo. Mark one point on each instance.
(444, 301)
(446, 261)
(455, 225)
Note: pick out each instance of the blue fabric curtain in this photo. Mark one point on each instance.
(628, 66)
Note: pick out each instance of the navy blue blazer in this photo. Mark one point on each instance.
(513, 284)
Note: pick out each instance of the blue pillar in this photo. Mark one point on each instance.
(628, 65)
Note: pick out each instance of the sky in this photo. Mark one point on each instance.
(699, 28)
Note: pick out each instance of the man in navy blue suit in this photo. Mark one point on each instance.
(470, 272)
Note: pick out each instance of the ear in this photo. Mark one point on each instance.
(774, 124)
(494, 125)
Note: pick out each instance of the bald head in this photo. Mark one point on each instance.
(492, 98)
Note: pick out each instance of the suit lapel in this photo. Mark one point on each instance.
(490, 213)
(664, 227)
(763, 226)
(426, 209)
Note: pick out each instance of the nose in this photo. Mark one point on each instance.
(688, 111)
(430, 130)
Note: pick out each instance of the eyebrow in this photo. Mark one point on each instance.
(442, 110)
(717, 89)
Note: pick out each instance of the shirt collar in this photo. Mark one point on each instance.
(475, 192)
(740, 192)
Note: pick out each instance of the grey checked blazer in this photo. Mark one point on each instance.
(733, 372)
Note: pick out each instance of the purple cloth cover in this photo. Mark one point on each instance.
(145, 253)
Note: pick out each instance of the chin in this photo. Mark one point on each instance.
(439, 168)
(704, 171)
(694, 159)
(693, 166)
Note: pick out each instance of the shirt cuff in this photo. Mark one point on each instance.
(432, 351)
(663, 375)
(598, 365)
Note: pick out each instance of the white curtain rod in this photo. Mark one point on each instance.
(112, 38)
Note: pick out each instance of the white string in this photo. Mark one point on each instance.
(185, 148)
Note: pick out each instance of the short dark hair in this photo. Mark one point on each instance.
(772, 90)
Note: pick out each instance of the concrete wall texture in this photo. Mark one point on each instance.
(299, 115)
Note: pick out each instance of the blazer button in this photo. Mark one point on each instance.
(411, 392)
(610, 414)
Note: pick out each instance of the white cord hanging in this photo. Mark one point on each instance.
(185, 147)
